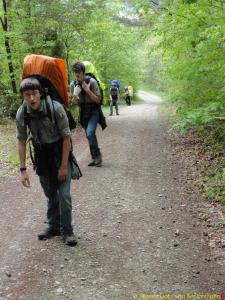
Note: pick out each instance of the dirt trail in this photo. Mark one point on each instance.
(134, 216)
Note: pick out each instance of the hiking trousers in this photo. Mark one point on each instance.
(90, 125)
(128, 100)
(59, 211)
(113, 103)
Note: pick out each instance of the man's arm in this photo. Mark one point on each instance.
(65, 157)
(75, 100)
(64, 131)
(110, 96)
(22, 157)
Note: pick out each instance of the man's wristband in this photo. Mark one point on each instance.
(23, 169)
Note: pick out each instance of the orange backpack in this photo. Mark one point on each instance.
(51, 73)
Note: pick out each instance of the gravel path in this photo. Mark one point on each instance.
(136, 222)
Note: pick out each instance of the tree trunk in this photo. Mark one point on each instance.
(4, 23)
(67, 61)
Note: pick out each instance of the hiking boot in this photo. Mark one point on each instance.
(98, 160)
(48, 233)
(92, 163)
(70, 239)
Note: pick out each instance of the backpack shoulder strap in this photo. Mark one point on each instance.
(26, 116)
(50, 109)
(88, 78)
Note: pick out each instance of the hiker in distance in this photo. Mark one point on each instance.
(114, 98)
(52, 146)
(129, 92)
(87, 95)
(127, 96)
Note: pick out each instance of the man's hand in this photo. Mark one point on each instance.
(85, 86)
(77, 90)
(75, 100)
(62, 174)
(25, 179)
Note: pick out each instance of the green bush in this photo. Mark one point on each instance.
(187, 53)
(214, 188)
(9, 104)
(209, 115)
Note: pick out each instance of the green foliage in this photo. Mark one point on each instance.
(9, 104)
(211, 114)
(214, 188)
(13, 160)
(186, 59)
(223, 175)
(72, 30)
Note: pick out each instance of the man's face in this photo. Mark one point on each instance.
(79, 76)
(32, 98)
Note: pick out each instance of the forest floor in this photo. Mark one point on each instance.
(144, 229)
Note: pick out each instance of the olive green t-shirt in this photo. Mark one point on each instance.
(51, 131)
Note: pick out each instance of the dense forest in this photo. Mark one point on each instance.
(72, 30)
(186, 46)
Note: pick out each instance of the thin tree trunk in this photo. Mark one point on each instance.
(67, 64)
(4, 23)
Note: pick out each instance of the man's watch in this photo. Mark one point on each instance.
(23, 169)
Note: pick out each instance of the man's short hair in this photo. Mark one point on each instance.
(78, 67)
(30, 83)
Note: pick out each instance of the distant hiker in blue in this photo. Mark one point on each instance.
(114, 98)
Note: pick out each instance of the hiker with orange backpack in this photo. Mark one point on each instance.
(52, 157)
